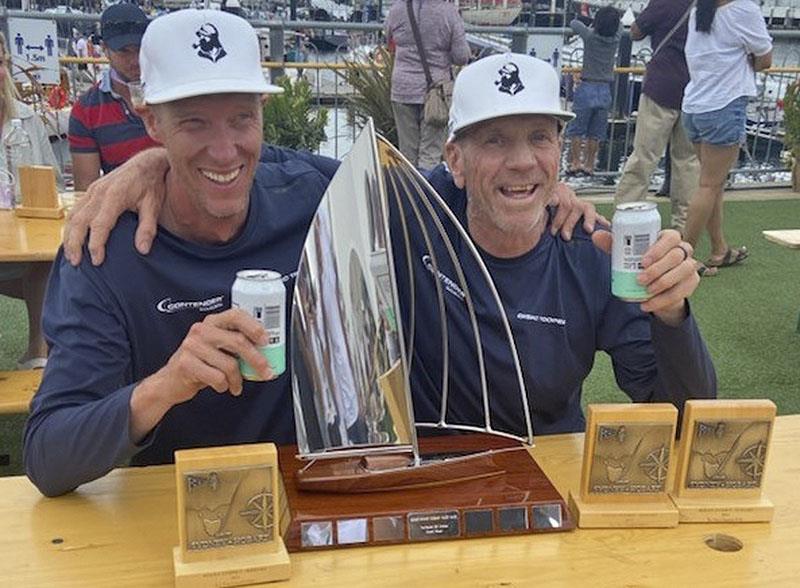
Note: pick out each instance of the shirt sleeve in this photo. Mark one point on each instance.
(81, 138)
(752, 30)
(647, 19)
(78, 428)
(654, 362)
(327, 166)
(459, 48)
(580, 28)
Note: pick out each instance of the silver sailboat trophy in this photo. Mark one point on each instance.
(355, 330)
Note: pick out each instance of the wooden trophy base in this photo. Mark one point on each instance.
(518, 499)
(709, 510)
(39, 212)
(244, 570)
(656, 514)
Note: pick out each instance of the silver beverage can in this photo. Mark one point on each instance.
(635, 228)
(262, 294)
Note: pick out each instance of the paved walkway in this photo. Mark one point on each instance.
(782, 192)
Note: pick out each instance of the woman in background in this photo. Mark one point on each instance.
(593, 94)
(444, 42)
(26, 281)
(727, 43)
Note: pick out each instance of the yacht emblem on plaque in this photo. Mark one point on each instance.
(626, 467)
(227, 517)
(722, 461)
(382, 240)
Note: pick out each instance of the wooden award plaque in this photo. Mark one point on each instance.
(625, 478)
(519, 499)
(39, 195)
(723, 456)
(227, 513)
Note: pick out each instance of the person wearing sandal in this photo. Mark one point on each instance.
(726, 44)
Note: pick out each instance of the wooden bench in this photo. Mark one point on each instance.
(17, 388)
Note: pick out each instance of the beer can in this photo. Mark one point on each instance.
(262, 294)
(635, 228)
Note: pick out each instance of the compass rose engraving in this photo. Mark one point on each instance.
(751, 461)
(656, 464)
(259, 511)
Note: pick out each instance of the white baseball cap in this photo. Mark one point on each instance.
(504, 85)
(199, 52)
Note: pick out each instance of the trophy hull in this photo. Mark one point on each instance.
(518, 500)
(384, 473)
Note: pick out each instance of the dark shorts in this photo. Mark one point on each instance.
(723, 127)
(592, 101)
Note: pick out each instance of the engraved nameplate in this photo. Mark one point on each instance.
(228, 506)
(426, 526)
(630, 458)
(727, 454)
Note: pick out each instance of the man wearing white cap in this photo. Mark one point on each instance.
(142, 351)
(503, 157)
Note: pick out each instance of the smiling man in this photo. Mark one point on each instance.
(143, 351)
(503, 158)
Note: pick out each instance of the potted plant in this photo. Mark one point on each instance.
(372, 83)
(290, 119)
(791, 117)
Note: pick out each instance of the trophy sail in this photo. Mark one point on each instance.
(352, 358)
(349, 377)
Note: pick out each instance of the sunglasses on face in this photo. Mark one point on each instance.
(114, 29)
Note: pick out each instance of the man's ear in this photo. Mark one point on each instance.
(150, 120)
(454, 156)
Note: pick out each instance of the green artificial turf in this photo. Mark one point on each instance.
(748, 315)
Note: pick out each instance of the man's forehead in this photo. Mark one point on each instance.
(245, 100)
(515, 122)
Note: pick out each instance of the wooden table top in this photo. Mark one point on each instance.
(119, 531)
(29, 239)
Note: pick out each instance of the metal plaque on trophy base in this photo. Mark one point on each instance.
(518, 498)
(227, 515)
(626, 467)
(723, 455)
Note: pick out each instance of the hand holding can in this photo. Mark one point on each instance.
(635, 229)
(261, 294)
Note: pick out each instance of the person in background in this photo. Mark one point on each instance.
(658, 124)
(104, 129)
(727, 43)
(444, 42)
(26, 281)
(593, 94)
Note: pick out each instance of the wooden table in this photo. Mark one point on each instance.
(119, 531)
(29, 239)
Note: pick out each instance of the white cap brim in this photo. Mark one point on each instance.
(211, 86)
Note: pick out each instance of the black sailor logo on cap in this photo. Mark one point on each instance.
(208, 43)
(509, 81)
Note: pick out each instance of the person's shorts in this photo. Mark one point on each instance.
(723, 127)
(592, 101)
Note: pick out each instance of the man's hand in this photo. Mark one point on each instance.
(669, 274)
(138, 185)
(570, 210)
(207, 357)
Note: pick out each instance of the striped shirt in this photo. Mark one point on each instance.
(101, 122)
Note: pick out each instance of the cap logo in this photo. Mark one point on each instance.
(509, 82)
(208, 44)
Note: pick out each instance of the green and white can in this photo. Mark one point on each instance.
(635, 228)
(262, 294)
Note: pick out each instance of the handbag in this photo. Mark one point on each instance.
(436, 109)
